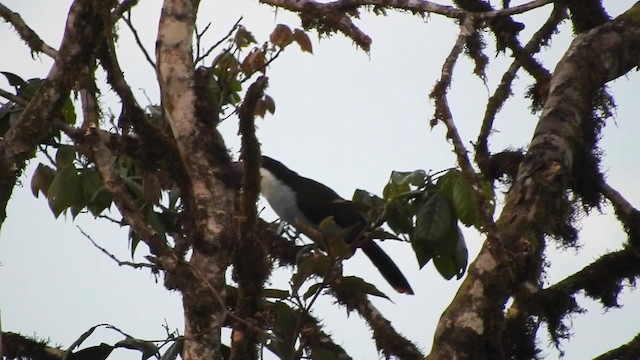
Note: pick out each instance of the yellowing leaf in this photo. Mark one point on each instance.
(281, 36)
(303, 40)
(243, 37)
(255, 61)
(41, 179)
(260, 109)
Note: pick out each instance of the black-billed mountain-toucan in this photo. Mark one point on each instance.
(300, 200)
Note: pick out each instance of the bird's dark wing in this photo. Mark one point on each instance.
(328, 203)
(345, 215)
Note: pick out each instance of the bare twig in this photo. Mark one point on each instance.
(514, 10)
(199, 56)
(124, 6)
(114, 258)
(127, 20)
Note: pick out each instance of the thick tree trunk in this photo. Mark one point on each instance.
(472, 325)
(209, 199)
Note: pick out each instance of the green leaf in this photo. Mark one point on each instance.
(460, 193)
(316, 264)
(380, 234)
(356, 285)
(465, 204)
(65, 190)
(100, 352)
(423, 252)
(174, 350)
(148, 349)
(448, 181)
(434, 223)
(79, 341)
(396, 185)
(399, 216)
(489, 195)
(454, 261)
(367, 199)
(323, 354)
(69, 112)
(276, 294)
(446, 266)
(285, 329)
(96, 195)
(41, 179)
(65, 156)
(312, 290)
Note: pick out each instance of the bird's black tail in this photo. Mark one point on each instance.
(387, 267)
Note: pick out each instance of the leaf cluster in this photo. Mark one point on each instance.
(426, 211)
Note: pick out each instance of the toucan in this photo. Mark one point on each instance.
(304, 203)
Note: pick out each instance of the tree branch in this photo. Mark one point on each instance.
(251, 267)
(153, 267)
(628, 351)
(503, 91)
(35, 43)
(16, 346)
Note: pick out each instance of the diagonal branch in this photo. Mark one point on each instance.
(630, 350)
(86, 24)
(153, 267)
(627, 214)
(503, 91)
(35, 43)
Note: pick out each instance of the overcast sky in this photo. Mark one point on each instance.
(344, 118)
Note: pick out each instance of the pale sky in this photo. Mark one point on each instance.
(342, 117)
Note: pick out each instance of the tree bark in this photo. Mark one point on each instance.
(86, 23)
(208, 196)
(471, 326)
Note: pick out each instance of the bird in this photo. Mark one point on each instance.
(305, 203)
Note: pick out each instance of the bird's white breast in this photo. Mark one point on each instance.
(280, 197)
